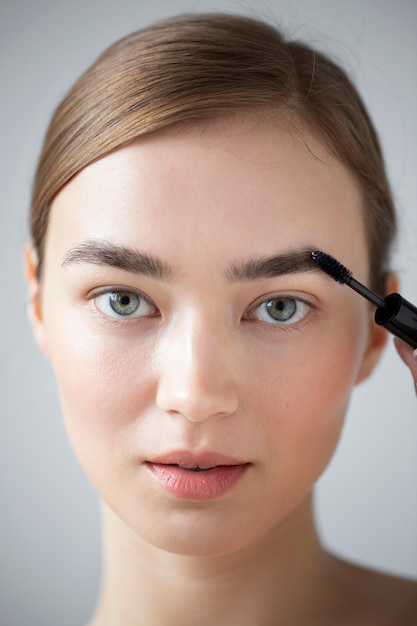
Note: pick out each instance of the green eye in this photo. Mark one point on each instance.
(122, 303)
(282, 310)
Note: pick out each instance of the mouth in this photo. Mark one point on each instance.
(197, 477)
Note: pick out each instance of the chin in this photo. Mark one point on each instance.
(196, 534)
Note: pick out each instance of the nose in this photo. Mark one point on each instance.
(196, 375)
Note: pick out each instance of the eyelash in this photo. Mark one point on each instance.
(152, 309)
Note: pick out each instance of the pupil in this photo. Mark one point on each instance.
(125, 300)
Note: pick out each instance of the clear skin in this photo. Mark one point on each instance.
(206, 368)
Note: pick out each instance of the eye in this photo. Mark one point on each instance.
(123, 303)
(283, 310)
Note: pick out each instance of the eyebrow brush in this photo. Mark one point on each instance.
(393, 312)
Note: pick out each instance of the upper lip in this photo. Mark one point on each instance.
(194, 459)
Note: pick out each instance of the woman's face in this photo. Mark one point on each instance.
(186, 327)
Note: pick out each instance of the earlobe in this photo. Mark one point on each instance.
(377, 339)
(34, 300)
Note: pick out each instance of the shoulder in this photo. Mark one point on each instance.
(371, 598)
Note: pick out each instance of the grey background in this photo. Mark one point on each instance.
(49, 528)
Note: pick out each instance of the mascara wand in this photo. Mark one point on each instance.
(393, 312)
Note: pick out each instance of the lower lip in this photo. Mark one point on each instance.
(197, 485)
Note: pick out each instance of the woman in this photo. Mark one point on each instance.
(204, 364)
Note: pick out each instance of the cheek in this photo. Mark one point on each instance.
(104, 387)
(304, 414)
(302, 401)
(311, 377)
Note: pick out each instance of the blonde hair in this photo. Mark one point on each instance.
(199, 67)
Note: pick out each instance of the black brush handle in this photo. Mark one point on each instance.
(399, 317)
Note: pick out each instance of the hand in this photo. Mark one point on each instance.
(409, 356)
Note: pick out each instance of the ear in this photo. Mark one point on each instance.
(34, 303)
(377, 338)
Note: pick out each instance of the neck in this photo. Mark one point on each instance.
(279, 578)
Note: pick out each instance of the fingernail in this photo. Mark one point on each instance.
(415, 354)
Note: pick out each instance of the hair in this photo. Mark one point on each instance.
(194, 68)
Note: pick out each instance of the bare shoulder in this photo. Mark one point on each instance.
(370, 598)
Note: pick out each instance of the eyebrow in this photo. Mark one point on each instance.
(130, 260)
(121, 257)
(288, 262)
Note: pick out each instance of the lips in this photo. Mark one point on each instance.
(197, 476)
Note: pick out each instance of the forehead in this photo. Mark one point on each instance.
(227, 189)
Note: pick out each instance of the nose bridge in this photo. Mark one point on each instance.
(196, 376)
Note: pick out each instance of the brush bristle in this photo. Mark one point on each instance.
(330, 266)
